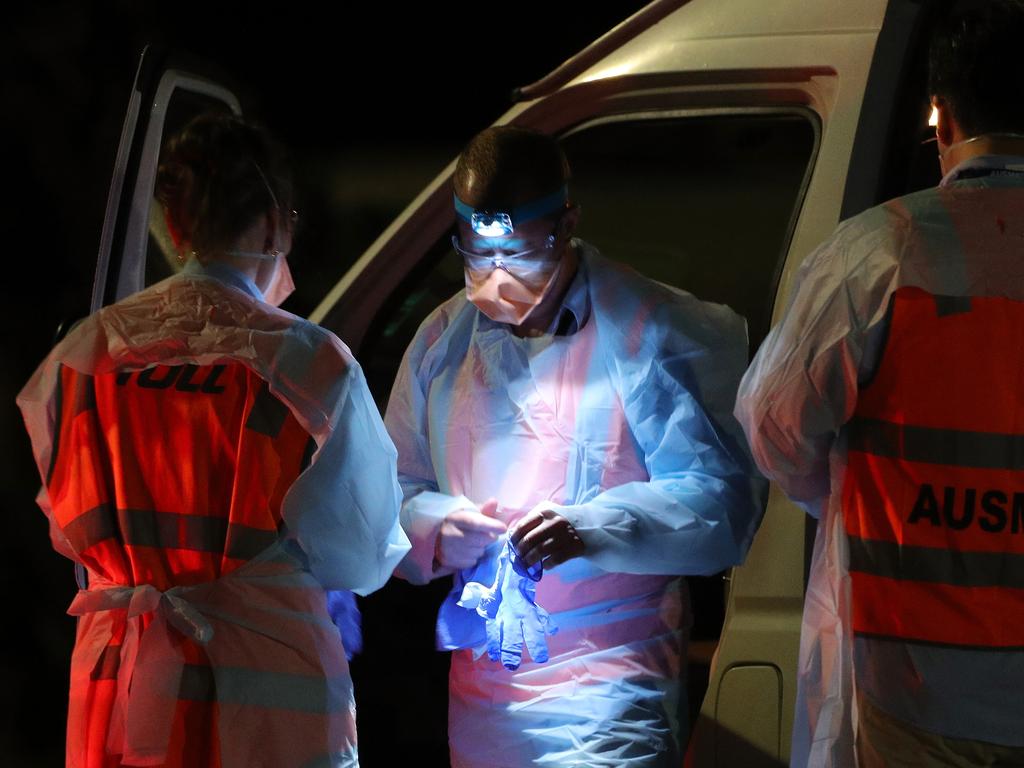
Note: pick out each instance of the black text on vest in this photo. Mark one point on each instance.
(960, 508)
(182, 377)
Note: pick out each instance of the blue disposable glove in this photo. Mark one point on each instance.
(341, 605)
(509, 607)
(532, 572)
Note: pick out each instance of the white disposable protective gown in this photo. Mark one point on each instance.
(963, 238)
(283, 689)
(623, 427)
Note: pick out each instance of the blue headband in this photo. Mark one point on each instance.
(501, 223)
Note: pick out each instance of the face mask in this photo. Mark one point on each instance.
(280, 285)
(508, 287)
(509, 294)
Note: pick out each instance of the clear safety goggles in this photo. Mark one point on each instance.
(528, 261)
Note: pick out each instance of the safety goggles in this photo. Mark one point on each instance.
(530, 260)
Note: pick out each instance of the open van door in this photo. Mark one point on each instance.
(713, 146)
(135, 248)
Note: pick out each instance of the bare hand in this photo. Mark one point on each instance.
(545, 535)
(465, 534)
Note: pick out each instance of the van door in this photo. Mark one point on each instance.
(135, 248)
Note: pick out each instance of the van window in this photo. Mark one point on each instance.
(703, 203)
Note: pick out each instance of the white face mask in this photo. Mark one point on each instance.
(509, 296)
(280, 285)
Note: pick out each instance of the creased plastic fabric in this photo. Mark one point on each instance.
(961, 239)
(268, 619)
(625, 428)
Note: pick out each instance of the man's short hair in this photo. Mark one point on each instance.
(506, 166)
(976, 65)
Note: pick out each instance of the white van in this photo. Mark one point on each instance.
(714, 143)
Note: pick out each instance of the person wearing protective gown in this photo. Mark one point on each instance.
(212, 463)
(567, 452)
(887, 402)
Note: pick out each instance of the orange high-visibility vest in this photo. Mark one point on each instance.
(933, 498)
(169, 476)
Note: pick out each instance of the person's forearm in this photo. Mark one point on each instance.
(689, 524)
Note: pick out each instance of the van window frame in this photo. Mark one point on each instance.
(813, 119)
(121, 262)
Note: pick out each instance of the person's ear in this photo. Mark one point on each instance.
(945, 128)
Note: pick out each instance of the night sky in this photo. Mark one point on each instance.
(373, 100)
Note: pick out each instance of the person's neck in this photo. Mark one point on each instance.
(539, 321)
(985, 144)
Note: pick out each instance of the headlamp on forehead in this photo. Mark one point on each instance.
(491, 223)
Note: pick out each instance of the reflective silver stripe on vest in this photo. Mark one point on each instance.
(942, 566)
(168, 530)
(959, 448)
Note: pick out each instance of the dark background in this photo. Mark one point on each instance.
(373, 100)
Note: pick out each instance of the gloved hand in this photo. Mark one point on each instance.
(509, 606)
(532, 572)
(341, 605)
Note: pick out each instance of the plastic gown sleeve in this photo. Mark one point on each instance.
(424, 508)
(802, 385)
(422, 515)
(798, 393)
(354, 470)
(698, 512)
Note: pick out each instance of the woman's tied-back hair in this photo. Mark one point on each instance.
(217, 176)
